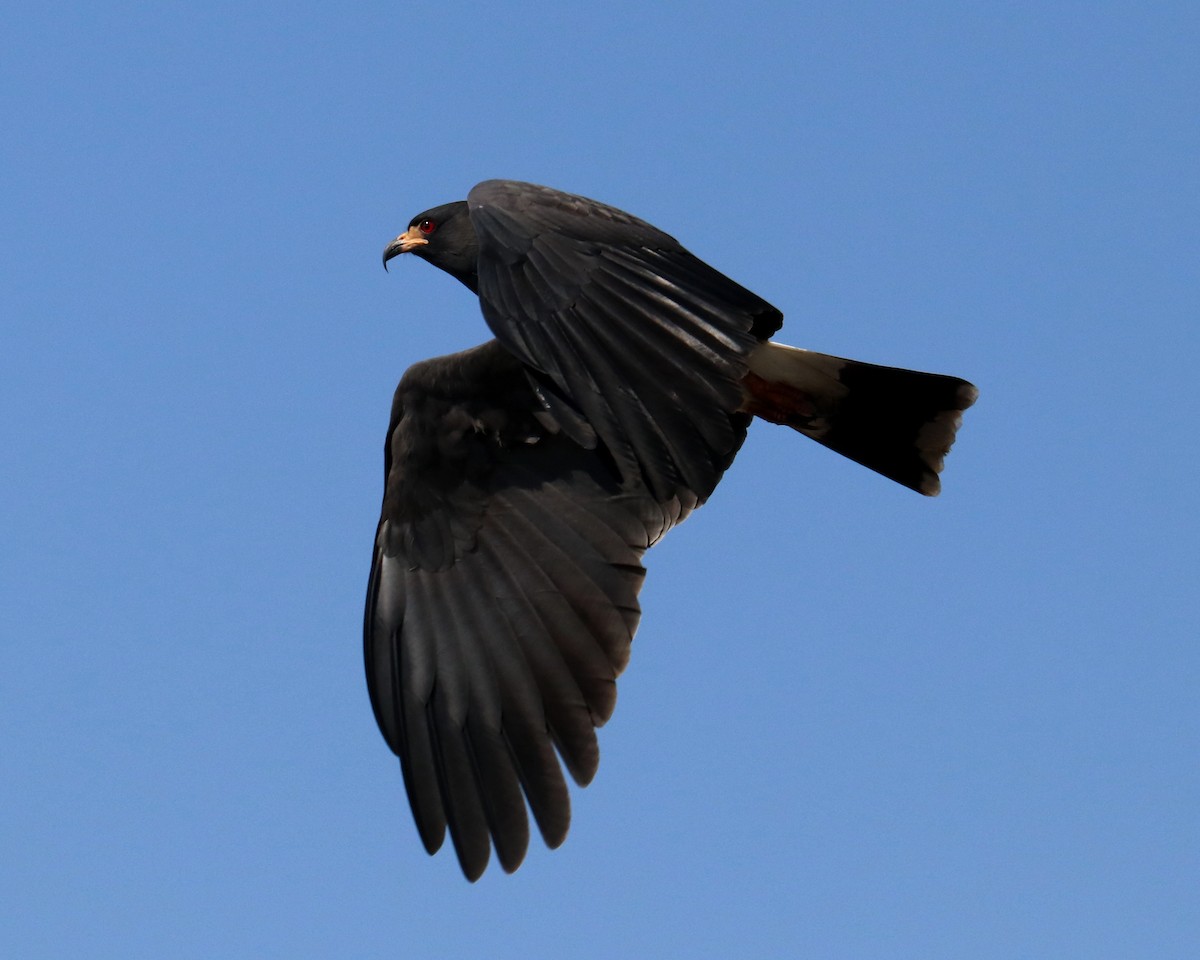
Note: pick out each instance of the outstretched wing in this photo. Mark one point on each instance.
(636, 343)
(501, 606)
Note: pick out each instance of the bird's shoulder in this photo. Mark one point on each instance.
(519, 212)
(482, 378)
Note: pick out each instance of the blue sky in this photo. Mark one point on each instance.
(857, 723)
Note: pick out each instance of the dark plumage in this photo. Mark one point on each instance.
(525, 478)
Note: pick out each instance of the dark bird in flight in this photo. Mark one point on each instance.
(525, 478)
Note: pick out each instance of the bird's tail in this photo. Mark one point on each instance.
(900, 423)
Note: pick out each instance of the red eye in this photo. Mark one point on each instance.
(427, 227)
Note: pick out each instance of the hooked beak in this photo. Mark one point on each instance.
(409, 240)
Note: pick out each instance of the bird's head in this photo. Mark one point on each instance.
(443, 236)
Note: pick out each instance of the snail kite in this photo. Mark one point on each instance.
(526, 477)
